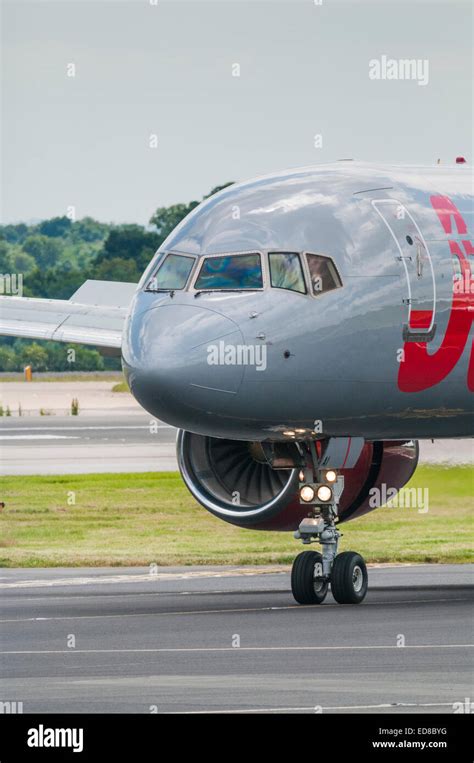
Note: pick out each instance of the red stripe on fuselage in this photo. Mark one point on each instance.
(419, 370)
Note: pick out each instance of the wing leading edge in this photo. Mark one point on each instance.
(94, 315)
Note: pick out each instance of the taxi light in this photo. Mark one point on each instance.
(324, 493)
(307, 493)
(331, 476)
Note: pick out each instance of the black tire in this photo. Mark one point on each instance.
(305, 587)
(349, 578)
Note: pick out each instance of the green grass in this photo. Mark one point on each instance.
(138, 519)
(121, 387)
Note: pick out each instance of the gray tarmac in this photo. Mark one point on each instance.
(84, 444)
(226, 639)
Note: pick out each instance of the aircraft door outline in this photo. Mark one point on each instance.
(415, 256)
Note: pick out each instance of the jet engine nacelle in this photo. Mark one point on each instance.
(233, 480)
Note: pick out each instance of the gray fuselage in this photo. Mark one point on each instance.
(332, 362)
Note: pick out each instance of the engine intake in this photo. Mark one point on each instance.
(235, 481)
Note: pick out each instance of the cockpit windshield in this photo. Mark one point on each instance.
(173, 273)
(324, 274)
(286, 271)
(237, 271)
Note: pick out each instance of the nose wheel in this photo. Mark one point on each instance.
(307, 582)
(348, 578)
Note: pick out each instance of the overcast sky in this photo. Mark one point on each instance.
(165, 68)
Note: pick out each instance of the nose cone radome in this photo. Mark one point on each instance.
(179, 362)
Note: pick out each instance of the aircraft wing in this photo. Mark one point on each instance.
(94, 315)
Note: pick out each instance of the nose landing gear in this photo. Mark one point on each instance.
(313, 572)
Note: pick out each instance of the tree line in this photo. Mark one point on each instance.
(55, 257)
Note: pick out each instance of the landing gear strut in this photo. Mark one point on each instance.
(313, 572)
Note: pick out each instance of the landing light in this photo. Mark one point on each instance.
(324, 493)
(307, 493)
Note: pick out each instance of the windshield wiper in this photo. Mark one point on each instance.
(221, 291)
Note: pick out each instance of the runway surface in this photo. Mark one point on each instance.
(232, 639)
(114, 441)
(106, 442)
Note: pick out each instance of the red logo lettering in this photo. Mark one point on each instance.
(419, 370)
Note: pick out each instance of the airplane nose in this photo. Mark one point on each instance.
(176, 361)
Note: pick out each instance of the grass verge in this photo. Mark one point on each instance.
(138, 519)
(121, 387)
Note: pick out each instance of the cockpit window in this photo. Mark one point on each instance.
(286, 271)
(323, 272)
(172, 274)
(236, 271)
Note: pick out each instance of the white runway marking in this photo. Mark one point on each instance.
(146, 577)
(154, 650)
(37, 437)
(312, 708)
(143, 577)
(133, 594)
(159, 614)
(224, 611)
(75, 428)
